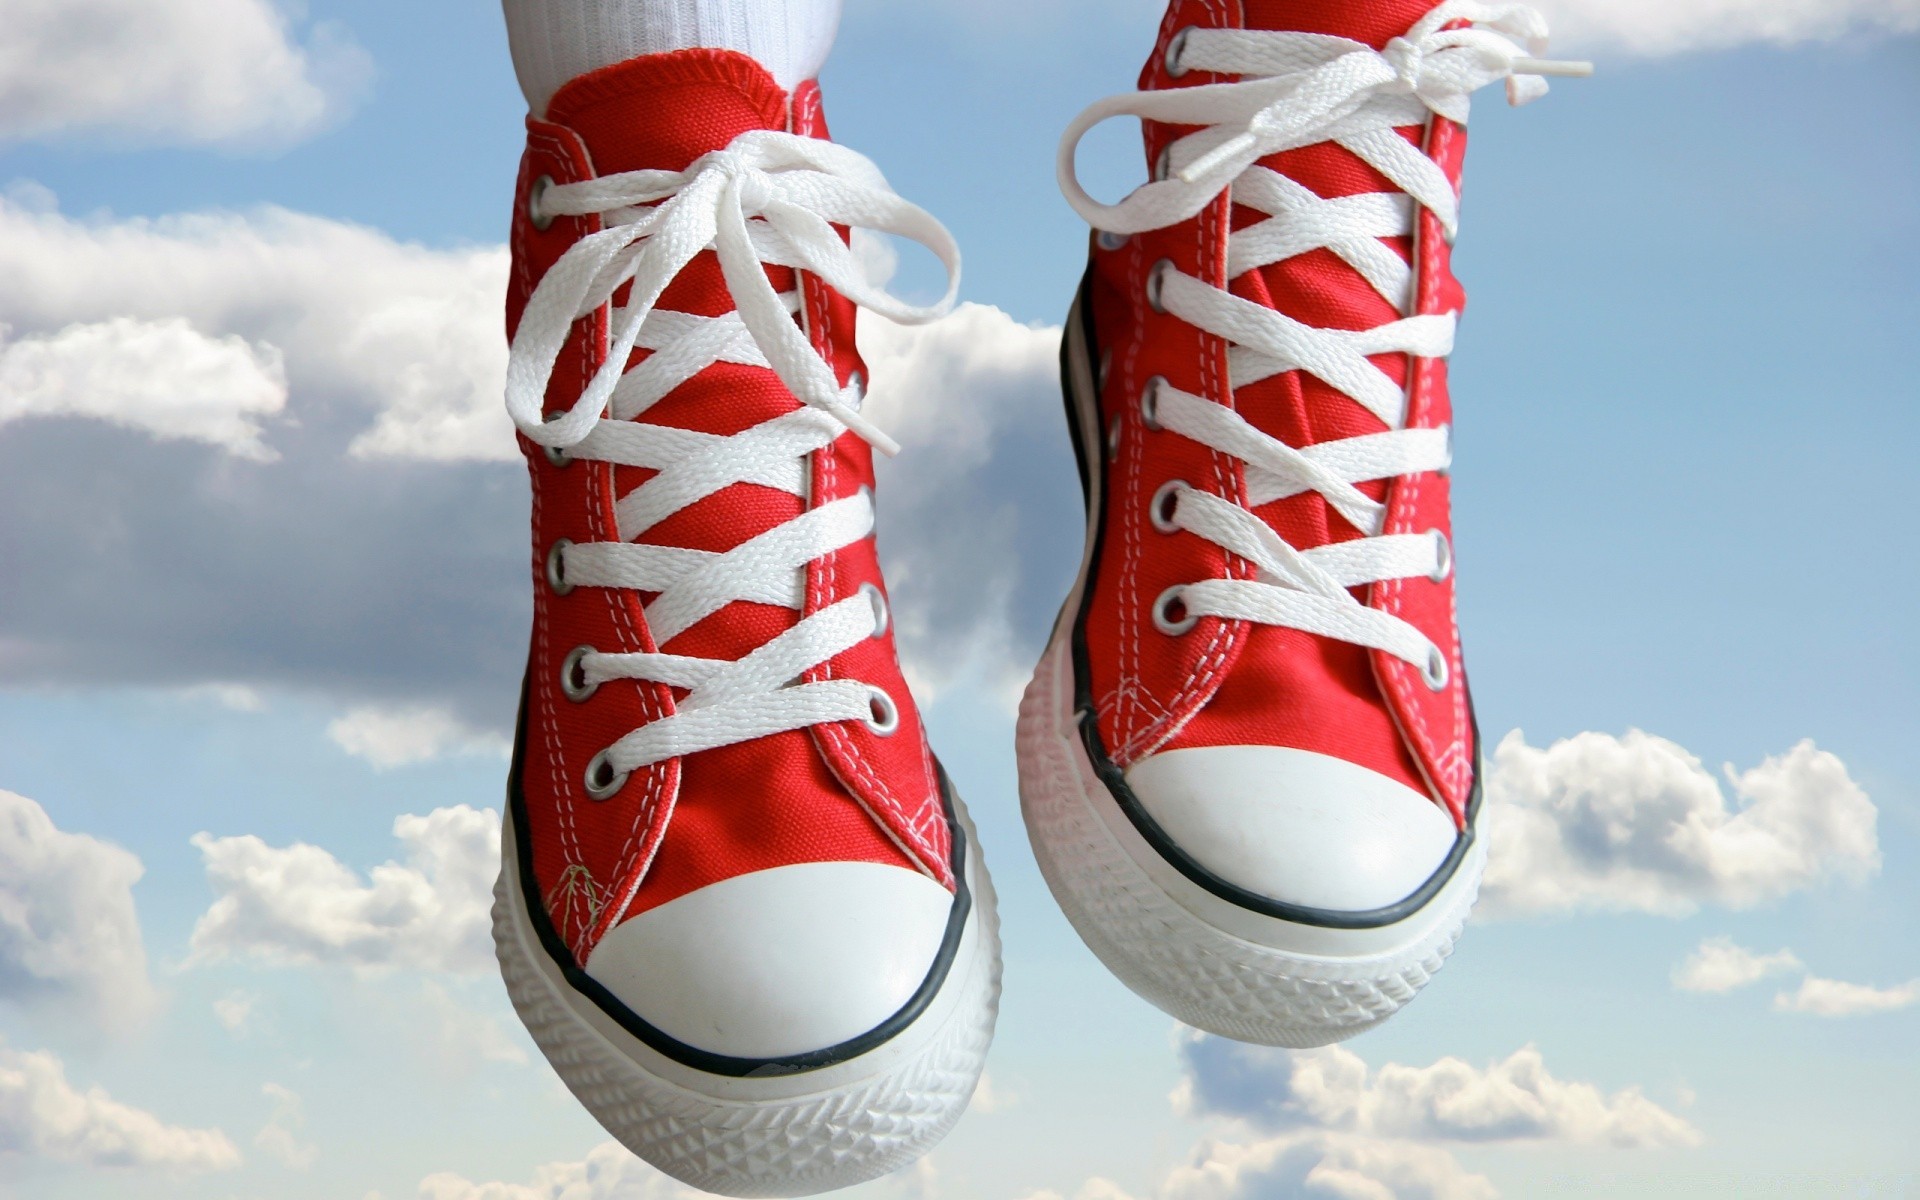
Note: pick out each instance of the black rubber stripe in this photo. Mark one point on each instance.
(1111, 775)
(693, 1056)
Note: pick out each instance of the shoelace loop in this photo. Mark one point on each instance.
(1294, 90)
(768, 197)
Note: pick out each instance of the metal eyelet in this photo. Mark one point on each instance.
(557, 567)
(1166, 606)
(1435, 673)
(1176, 46)
(541, 220)
(1157, 283)
(602, 780)
(1113, 438)
(882, 616)
(555, 455)
(883, 715)
(1101, 370)
(1150, 402)
(1165, 502)
(1443, 552)
(857, 382)
(1163, 163)
(573, 677)
(1107, 240)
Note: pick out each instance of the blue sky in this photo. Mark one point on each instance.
(264, 580)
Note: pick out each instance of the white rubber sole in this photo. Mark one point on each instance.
(788, 1135)
(1210, 963)
(1216, 966)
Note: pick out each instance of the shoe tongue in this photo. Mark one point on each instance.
(663, 111)
(1375, 23)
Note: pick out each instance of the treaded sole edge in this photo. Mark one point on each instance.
(1158, 947)
(780, 1146)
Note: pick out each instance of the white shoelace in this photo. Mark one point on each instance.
(1297, 89)
(768, 198)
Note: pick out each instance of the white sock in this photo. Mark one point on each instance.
(555, 40)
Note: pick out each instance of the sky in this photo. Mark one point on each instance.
(263, 600)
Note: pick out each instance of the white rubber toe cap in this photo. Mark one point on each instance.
(780, 962)
(1295, 826)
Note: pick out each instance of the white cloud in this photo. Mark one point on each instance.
(42, 1114)
(609, 1172)
(1319, 1164)
(1837, 998)
(68, 929)
(163, 377)
(236, 1012)
(234, 697)
(393, 355)
(398, 737)
(1514, 1100)
(1719, 965)
(280, 1136)
(300, 904)
(970, 397)
(409, 336)
(1635, 823)
(1657, 27)
(462, 1037)
(991, 1097)
(1321, 1123)
(182, 71)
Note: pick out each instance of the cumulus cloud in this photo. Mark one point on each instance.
(163, 377)
(608, 1172)
(463, 1037)
(183, 71)
(409, 337)
(280, 1136)
(398, 737)
(1719, 965)
(1318, 1164)
(43, 1115)
(68, 930)
(1837, 998)
(1635, 823)
(980, 525)
(381, 560)
(1321, 1123)
(300, 904)
(1514, 1100)
(1650, 27)
(234, 697)
(991, 1097)
(236, 1012)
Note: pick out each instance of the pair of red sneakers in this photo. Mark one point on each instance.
(741, 908)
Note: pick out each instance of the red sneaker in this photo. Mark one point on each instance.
(1248, 760)
(739, 908)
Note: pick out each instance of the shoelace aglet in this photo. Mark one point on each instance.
(873, 434)
(1559, 67)
(1200, 167)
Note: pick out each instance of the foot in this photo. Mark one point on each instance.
(1248, 760)
(740, 908)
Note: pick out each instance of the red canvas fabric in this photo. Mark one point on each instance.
(1241, 683)
(836, 793)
